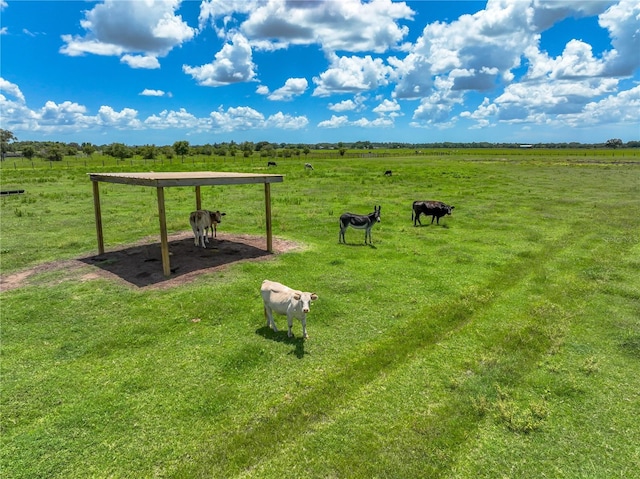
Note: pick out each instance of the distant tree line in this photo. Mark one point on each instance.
(56, 151)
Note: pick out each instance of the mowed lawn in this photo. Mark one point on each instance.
(504, 342)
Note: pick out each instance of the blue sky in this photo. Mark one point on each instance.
(294, 71)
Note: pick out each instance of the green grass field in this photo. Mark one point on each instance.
(503, 343)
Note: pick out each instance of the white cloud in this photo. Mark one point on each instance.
(483, 114)
(262, 90)
(544, 14)
(620, 108)
(148, 92)
(345, 105)
(76, 47)
(622, 22)
(180, 119)
(232, 64)
(72, 117)
(357, 104)
(234, 119)
(387, 107)
(292, 87)
(334, 122)
(150, 29)
(351, 75)
(125, 119)
(380, 122)
(11, 89)
(141, 61)
(286, 122)
(61, 117)
(348, 25)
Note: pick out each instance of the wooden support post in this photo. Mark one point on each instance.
(164, 244)
(267, 203)
(198, 198)
(98, 213)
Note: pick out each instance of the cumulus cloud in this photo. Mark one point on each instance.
(232, 64)
(347, 25)
(127, 118)
(352, 75)
(487, 68)
(148, 92)
(480, 52)
(387, 107)
(238, 118)
(357, 104)
(143, 30)
(621, 20)
(293, 87)
(11, 89)
(334, 122)
(286, 122)
(615, 109)
(73, 117)
(180, 119)
(141, 61)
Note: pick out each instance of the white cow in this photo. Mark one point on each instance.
(201, 221)
(284, 300)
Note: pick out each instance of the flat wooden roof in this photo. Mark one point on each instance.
(185, 178)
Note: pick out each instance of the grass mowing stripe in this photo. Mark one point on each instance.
(497, 390)
(252, 443)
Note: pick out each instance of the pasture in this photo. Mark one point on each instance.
(504, 342)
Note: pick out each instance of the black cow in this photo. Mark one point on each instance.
(388, 173)
(271, 163)
(435, 209)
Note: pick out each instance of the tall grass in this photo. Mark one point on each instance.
(503, 343)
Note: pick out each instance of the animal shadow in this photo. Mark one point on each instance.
(282, 337)
(355, 245)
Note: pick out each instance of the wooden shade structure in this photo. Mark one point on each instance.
(168, 179)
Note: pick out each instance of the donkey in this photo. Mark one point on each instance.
(360, 222)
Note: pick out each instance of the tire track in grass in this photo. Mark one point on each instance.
(238, 451)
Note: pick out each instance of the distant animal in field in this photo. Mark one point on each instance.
(271, 163)
(388, 173)
(360, 222)
(283, 300)
(308, 166)
(201, 221)
(435, 209)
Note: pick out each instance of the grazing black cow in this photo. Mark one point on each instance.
(271, 163)
(435, 209)
(359, 222)
(308, 166)
(387, 173)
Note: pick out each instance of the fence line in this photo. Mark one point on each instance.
(110, 162)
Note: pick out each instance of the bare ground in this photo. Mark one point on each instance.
(140, 265)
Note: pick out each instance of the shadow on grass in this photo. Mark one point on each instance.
(359, 244)
(141, 265)
(281, 337)
(426, 225)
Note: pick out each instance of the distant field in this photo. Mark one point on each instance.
(503, 343)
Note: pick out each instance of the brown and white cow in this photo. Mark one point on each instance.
(201, 221)
(435, 209)
(284, 300)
